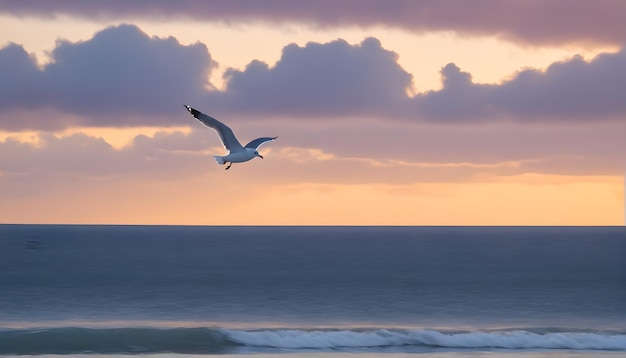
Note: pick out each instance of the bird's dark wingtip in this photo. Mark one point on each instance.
(194, 112)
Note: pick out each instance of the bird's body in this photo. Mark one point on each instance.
(236, 157)
(236, 152)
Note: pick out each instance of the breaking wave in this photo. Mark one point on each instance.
(221, 340)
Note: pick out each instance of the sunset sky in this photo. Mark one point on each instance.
(447, 112)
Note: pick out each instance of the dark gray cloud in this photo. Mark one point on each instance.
(336, 79)
(570, 90)
(122, 77)
(119, 75)
(459, 99)
(530, 22)
(19, 76)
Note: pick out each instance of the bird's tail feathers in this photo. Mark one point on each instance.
(219, 159)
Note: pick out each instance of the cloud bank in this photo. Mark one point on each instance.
(122, 78)
(529, 22)
(372, 154)
(110, 80)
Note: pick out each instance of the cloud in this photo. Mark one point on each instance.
(123, 78)
(459, 99)
(529, 22)
(373, 154)
(335, 78)
(341, 80)
(119, 75)
(19, 76)
(571, 90)
(162, 157)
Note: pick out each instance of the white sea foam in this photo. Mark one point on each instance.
(299, 339)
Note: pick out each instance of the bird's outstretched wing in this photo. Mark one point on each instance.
(227, 137)
(257, 142)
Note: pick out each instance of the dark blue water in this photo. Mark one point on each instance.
(389, 284)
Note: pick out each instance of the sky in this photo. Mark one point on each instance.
(447, 112)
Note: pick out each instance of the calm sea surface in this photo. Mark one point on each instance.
(313, 291)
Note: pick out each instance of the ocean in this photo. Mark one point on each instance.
(317, 292)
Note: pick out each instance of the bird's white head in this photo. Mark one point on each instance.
(254, 153)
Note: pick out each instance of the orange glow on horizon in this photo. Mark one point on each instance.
(530, 199)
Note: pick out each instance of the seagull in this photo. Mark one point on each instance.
(236, 153)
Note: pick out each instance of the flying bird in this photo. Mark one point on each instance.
(236, 152)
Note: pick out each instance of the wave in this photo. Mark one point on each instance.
(221, 340)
